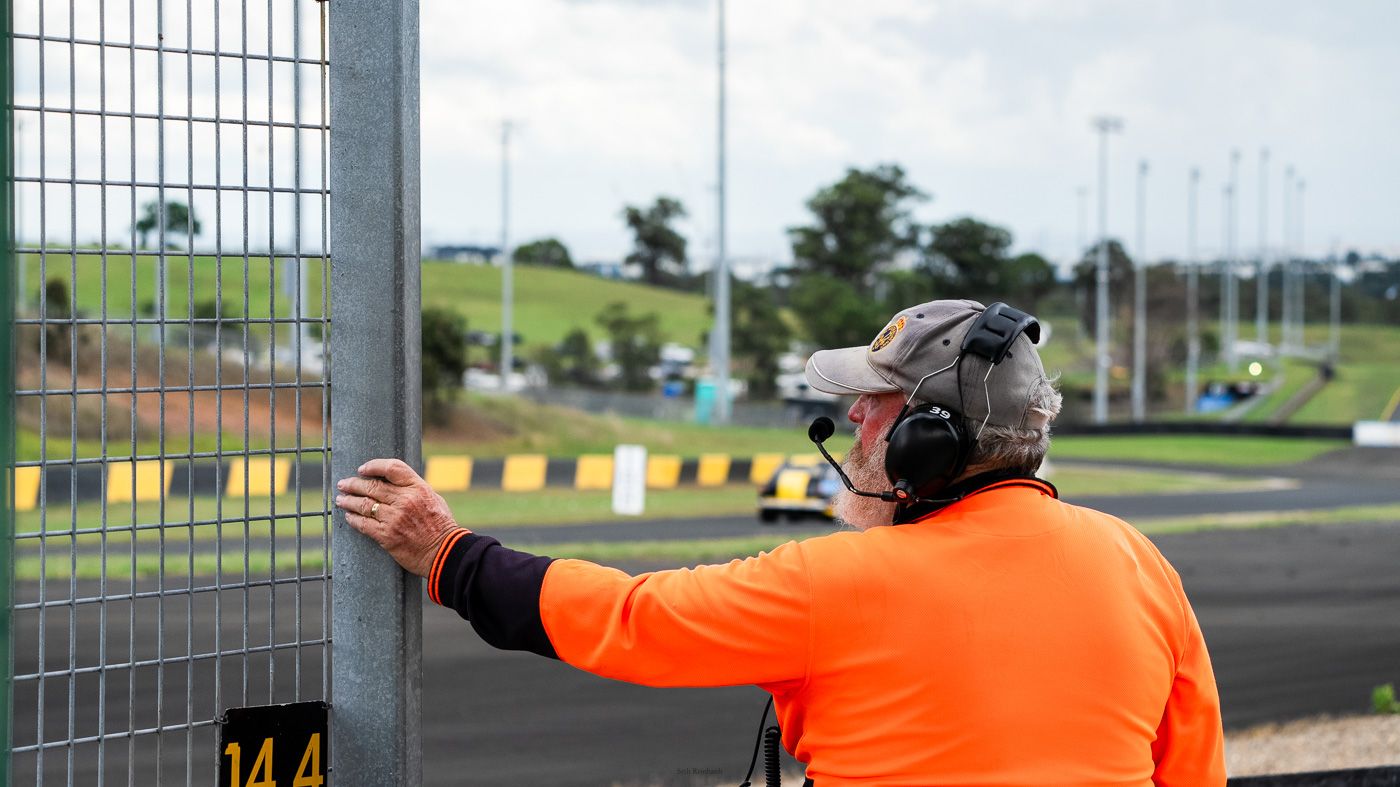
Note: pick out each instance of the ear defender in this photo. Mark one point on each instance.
(929, 445)
(926, 451)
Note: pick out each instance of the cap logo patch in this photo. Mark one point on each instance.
(886, 336)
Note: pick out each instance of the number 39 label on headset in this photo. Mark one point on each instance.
(940, 412)
(282, 745)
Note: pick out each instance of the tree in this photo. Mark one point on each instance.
(444, 339)
(862, 222)
(1120, 283)
(179, 220)
(636, 344)
(967, 258)
(571, 360)
(656, 246)
(759, 336)
(57, 312)
(547, 252)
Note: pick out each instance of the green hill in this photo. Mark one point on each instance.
(550, 302)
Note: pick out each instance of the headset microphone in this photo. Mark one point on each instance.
(903, 492)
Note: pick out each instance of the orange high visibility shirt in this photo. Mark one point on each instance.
(1010, 639)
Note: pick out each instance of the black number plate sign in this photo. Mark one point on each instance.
(274, 746)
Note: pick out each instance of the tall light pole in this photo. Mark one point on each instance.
(1232, 353)
(1193, 283)
(719, 335)
(1286, 266)
(1105, 126)
(1225, 270)
(1081, 246)
(1300, 279)
(1334, 312)
(1261, 267)
(507, 266)
(1140, 301)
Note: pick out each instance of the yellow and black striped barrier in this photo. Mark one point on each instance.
(262, 476)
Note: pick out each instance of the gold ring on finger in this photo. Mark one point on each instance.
(374, 511)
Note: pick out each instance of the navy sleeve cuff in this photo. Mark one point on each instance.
(494, 588)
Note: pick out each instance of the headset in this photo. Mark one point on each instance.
(930, 444)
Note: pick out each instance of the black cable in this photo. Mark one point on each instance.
(772, 766)
(758, 742)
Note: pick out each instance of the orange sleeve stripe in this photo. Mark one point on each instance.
(436, 571)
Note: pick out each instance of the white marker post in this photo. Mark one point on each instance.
(629, 480)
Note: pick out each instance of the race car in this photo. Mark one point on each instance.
(802, 486)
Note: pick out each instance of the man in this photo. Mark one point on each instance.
(993, 636)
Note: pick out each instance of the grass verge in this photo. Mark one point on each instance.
(1221, 450)
(1106, 480)
(120, 566)
(698, 551)
(1258, 519)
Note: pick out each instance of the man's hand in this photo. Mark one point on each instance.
(411, 521)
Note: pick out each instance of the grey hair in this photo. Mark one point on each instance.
(1004, 447)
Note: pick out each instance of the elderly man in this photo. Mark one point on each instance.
(993, 635)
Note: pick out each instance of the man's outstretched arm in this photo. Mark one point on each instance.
(713, 625)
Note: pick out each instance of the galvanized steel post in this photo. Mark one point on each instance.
(376, 401)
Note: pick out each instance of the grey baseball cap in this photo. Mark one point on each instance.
(922, 343)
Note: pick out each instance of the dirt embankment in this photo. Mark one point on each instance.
(157, 391)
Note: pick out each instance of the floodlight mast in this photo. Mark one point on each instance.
(719, 335)
(1232, 328)
(1105, 126)
(1193, 279)
(1300, 280)
(1140, 301)
(1261, 268)
(1286, 266)
(507, 269)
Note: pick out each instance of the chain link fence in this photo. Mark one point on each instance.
(172, 481)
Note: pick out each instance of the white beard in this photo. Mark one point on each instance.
(867, 474)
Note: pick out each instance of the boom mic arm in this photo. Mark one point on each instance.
(823, 428)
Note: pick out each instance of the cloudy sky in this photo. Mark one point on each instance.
(986, 103)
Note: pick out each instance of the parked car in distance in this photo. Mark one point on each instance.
(802, 486)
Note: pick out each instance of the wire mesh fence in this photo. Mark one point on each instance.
(172, 405)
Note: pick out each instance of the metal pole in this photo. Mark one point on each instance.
(507, 268)
(1286, 267)
(1080, 249)
(1232, 266)
(719, 336)
(1193, 284)
(1140, 302)
(1334, 334)
(1224, 269)
(1104, 125)
(1261, 267)
(1300, 278)
(376, 672)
